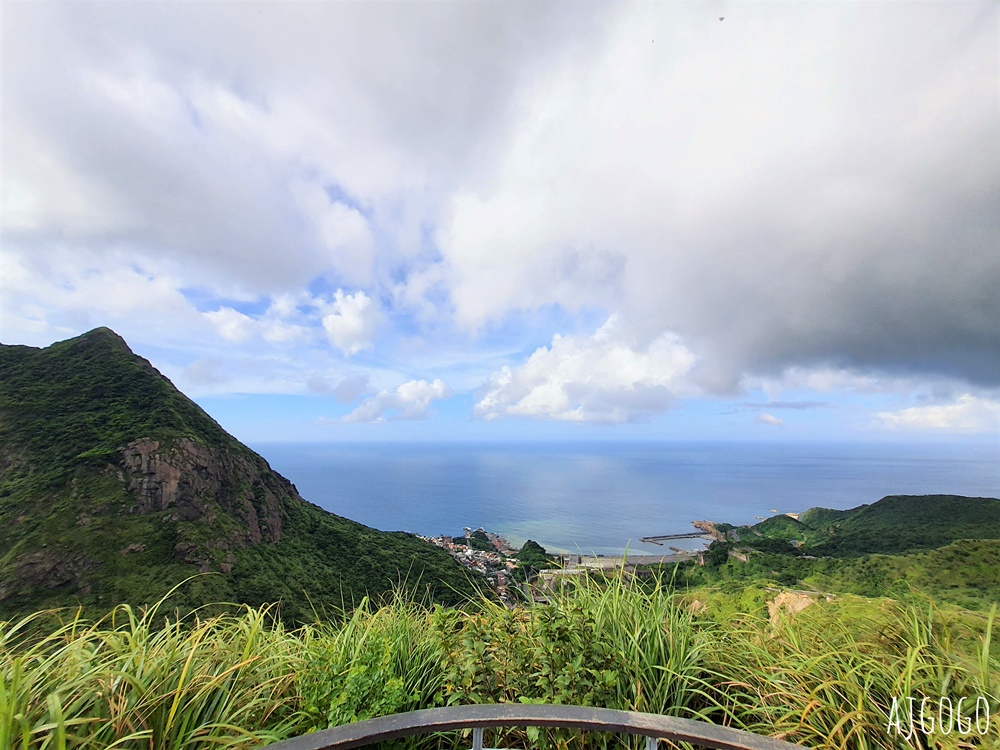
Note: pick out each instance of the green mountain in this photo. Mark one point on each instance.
(944, 545)
(901, 523)
(114, 486)
(966, 573)
(893, 525)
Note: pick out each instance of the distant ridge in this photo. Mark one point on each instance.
(893, 525)
(114, 486)
(902, 546)
(900, 523)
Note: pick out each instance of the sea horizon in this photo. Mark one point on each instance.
(601, 497)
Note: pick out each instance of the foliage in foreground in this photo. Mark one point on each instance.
(825, 677)
(138, 681)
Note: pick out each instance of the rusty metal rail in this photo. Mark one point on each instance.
(478, 717)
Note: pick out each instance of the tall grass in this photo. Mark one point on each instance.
(378, 661)
(136, 681)
(828, 677)
(825, 677)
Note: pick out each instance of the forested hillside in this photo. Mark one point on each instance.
(114, 487)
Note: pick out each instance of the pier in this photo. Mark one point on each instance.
(665, 537)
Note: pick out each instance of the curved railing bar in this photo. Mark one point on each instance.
(478, 716)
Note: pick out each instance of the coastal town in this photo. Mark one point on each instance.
(494, 558)
(484, 552)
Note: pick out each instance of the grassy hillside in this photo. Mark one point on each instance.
(893, 525)
(965, 573)
(945, 546)
(900, 523)
(84, 398)
(114, 487)
(782, 527)
(825, 677)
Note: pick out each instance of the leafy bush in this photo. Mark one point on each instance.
(377, 662)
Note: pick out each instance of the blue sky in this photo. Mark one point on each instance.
(479, 221)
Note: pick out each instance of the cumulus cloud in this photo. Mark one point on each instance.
(281, 323)
(411, 400)
(609, 376)
(806, 193)
(231, 324)
(769, 419)
(810, 188)
(967, 413)
(210, 134)
(352, 321)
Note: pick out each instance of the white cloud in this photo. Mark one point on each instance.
(206, 371)
(190, 133)
(791, 189)
(346, 389)
(231, 324)
(829, 380)
(287, 305)
(350, 388)
(68, 291)
(769, 419)
(280, 332)
(806, 193)
(352, 321)
(280, 324)
(349, 250)
(411, 400)
(967, 413)
(609, 376)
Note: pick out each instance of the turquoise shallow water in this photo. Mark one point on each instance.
(602, 497)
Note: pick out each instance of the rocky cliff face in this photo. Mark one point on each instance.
(196, 483)
(216, 500)
(50, 569)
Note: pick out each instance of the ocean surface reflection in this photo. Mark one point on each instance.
(602, 497)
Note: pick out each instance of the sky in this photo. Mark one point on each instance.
(354, 221)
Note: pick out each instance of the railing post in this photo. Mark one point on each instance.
(477, 739)
(652, 743)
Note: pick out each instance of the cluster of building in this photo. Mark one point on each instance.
(491, 556)
(494, 564)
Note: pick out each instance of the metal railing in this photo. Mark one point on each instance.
(478, 717)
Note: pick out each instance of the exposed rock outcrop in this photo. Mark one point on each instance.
(697, 607)
(788, 603)
(221, 488)
(712, 530)
(116, 488)
(49, 568)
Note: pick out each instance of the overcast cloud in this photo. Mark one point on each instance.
(612, 207)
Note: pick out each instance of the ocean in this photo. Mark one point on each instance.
(602, 497)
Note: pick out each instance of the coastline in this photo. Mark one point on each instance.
(610, 562)
(585, 499)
